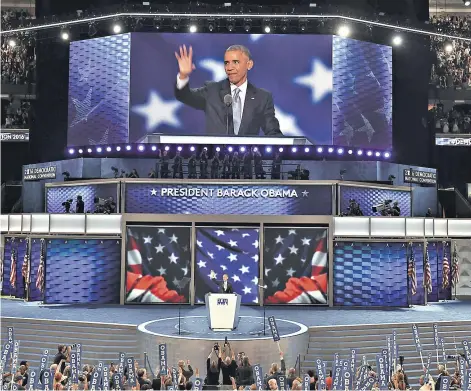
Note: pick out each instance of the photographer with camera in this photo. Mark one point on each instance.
(80, 205)
(62, 356)
(228, 363)
(213, 366)
(67, 204)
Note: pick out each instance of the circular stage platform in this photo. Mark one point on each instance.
(195, 340)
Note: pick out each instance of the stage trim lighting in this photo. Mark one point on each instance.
(192, 149)
(320, 149)
(350, 151)
(330, 150)
(268, 149)
(340, 151)
(71, 151)
(193, 28)
(99, 149)
(232, 16)
(154, 148)
(108, 149)
(397, 40)
(230, 149)
(167, 148)
(369, 153)
(306, 149)
(12, 43)
(359, 152)
(467, 3)
(242, 149)
(387, 155)
(128, 147)
(179, 148)
(378, 154)
(448, 47)
(218, 149)
(89, 150)
(117, 28)
(80, 151)
(344, 31)
(294, 149)
(118, 148)
(280, 149)
(267, 29)
(140, 148)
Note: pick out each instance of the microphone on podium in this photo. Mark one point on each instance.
(228, 103)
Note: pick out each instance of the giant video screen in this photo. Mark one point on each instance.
(331, 90)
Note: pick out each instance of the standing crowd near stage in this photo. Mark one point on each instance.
(452, 67)
(227, 370)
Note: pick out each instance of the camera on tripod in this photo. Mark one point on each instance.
(104, 205)
(67, 204)
(353, 209)
(387, 208)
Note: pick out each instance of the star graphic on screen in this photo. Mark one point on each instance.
(161, 231)
(347, 132)
(245, 235)
(219, 247)
(173, 258)
(255, 281)
(223, 267)
(293, 249)
(367, 128)
(173, 239)
(199, 244)
(84, 72)
(232, 243)
(103, 140)
(386, 110)
(305, 193)
(373, 76)
(219, 233)
(153, 192)
(247, 290)
(235, 278)
(255, 244)
(215, 67)
(288, 123)
(267, 271)
(162, 271)
(306, 241)
(83, 108)
(255, 258)
(255, 37)
(319, 81)
(232, 257)
(211, 255)
(184, 270)
(290, 272)
(275, 283)
(279, 239)
(158, 112)
(147, 239)
(159, 248)
(201, 264)
(244, 269)
(292, 232)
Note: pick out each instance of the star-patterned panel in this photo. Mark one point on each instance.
(19, 246)
(362, 94)
(302, 89)
(99, 71)
(310, 200)
(165, 251)
(370, 274)
(231, 251)
(83, 271)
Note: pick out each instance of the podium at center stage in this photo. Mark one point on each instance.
(223, 311)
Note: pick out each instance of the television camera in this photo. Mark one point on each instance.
(104, 205)
(387, 208)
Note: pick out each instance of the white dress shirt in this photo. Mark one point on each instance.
(243, 90)
(225, 285)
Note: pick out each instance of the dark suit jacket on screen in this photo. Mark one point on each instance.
(221, 287)
(258, 112)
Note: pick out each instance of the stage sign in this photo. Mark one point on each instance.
(447, 140)
(15, 135)
(38, 173)
(420, 177)
(228, 199)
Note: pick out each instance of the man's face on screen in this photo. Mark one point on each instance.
(236, 65)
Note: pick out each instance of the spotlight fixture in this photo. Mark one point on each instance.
(340, 151)
(89, 150)
(294, 149)
(284, 25)
(80, 151)
(320, 149)
(218, 149)
(65, 35)
(117, 28)
(448, 47)
(255, 149)
(128, 147)
(157, 23)
(179, 148)
(230, 149)
(267, 29)
(108, 149)
(349, 151)
(71, 151)
(230, 25)
(302, 25)
(387, 155)
(242, 149)
(280, 149)
(154, 148)
(306, 149)
(344, 31)
(359, 152)
(118, 148)
(268, 149)
(167, 148)
(247, 25)
(91, 30)
(176, 24)
(192, 149)
(267, 26)
(140, 148)
(369, 153)
(211, 25)
(193, 27)
(397, 40)
(12, 43)
(330, 150)
(467, 3)
(138, 25)
(377, 154)
(99, 149)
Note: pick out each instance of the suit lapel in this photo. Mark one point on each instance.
(249, 108)
(226, 90)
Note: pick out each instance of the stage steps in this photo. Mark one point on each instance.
(368, 340)
(100, 341)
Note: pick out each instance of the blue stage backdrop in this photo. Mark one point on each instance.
(367, 197)
(136, 96)
(158, 267)
(34, 293)
(295, 265)
(238, 199)
(370, 274)
(362, 94)
(18, 245)
(99, 79)
(419, 297)
(85, 271)
(231, 251)
(56, 195)
(435, 253)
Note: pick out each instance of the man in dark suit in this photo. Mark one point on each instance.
(224, 286)
(251, 109)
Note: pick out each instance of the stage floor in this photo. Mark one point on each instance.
(309, 316)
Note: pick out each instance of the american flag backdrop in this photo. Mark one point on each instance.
(295, 265)
(14, 255)
(455, 267)
(427, 273)
(446, 269)
(41, 268)
(158, 266)
(411, 271)
(231, 251)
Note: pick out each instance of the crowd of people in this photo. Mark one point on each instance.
(457, 120)
(452, 66)
(225, 370)
(15, 115)
(18, 54)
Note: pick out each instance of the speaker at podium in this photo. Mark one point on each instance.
(223, 311)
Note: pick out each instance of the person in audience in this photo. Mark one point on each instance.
(275, 371)
(142, 377)
(272, 384)
(228, 368)
(441, 372)
(62, 356)
(291, 377)
(188, 373)
(244, 373)
(213, 367)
